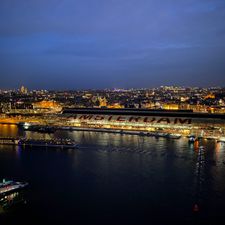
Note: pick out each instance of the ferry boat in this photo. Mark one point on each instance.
(9, 141)
(56, 143)
(160, 134)
(51, 143)
(221, 139)
(174, 136)
(11, 186)
(35, 127)
(40, 129)
(211, 137)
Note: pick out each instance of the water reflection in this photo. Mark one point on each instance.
(7, 202)
(219, 149)
(121, 173)
(8, 130)
(18, 151)
(199, 176)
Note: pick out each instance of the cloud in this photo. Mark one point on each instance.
(120, 37)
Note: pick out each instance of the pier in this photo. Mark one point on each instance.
(9, 141)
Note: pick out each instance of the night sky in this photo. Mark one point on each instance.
(80, 44)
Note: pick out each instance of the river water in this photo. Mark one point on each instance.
(115, 179)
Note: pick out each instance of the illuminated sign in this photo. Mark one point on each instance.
(133, 119)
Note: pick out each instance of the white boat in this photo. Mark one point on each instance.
(221, 139)
(211, 137)
(55, 143)
(11, 186)
(174, 136)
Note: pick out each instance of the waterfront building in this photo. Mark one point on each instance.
(184, 122)
(171, 121)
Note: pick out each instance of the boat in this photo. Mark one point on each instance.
(221, 139)
(50, 143)
(38, 128)
(9, 141)
(45, 129)
(160, 134)
(151, 133)
(174, 136)
(11, 186)
(211, 137)
(56, 143)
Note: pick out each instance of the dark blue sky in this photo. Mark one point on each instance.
(70, 44)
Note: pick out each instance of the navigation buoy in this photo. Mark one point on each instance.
(195, 208)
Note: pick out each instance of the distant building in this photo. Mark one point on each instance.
(47, 106)
(102, 102)
(115, 106)
(170, 106)
(23, 90)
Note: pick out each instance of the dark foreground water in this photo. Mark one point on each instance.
(115, 179)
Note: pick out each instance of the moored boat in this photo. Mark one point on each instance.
(221, 139)
(174, 136)
(211, 138)
(160, 134)
(50, 143)
(11, 186)
(56, 143)
(9, 141)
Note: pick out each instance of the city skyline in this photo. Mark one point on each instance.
(112, 112)
(114, 89)
(124, 44)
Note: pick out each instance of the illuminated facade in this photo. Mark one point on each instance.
(46, 104)
(184, 122)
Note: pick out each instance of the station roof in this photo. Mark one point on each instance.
(143, 112)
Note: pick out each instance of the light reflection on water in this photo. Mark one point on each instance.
(8, 201)
(136, 175)
(7, 130)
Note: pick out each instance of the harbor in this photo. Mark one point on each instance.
(104, 173)
(173, 134)
(68, 143)
(112, 112)
(159, 123)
